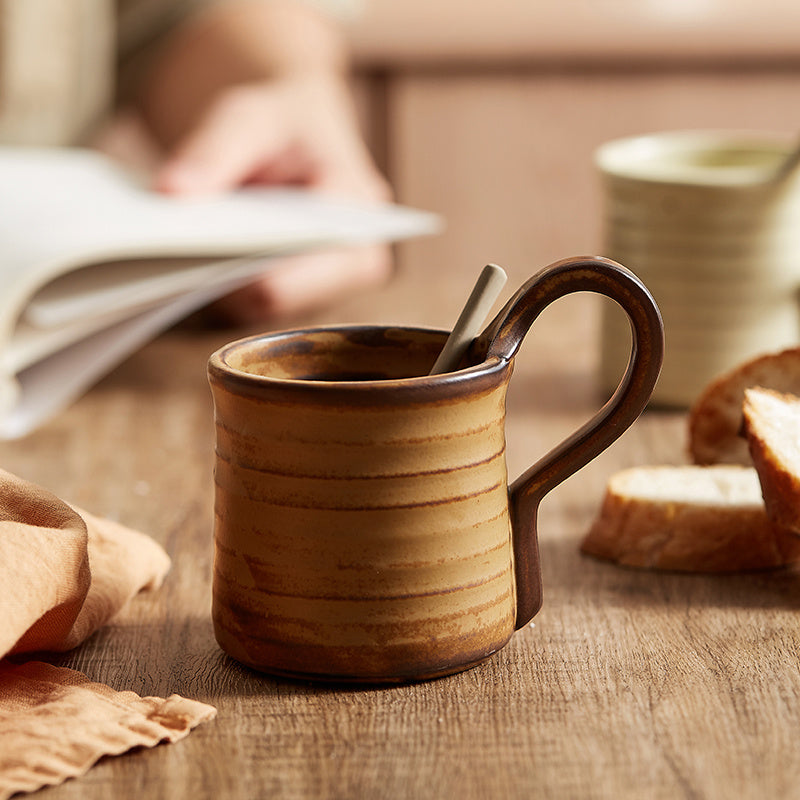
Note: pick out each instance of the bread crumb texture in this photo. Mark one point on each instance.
(688, 518)
(771, 426)
(715, 419)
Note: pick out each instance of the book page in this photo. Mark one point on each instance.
(62, 209)
(93, 263)
(72, 318)
(46, 386)
(121, 286)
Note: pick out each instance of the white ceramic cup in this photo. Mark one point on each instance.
(718, 247)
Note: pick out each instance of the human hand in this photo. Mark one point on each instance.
(298, 130)
(290, 131)
(251, 92)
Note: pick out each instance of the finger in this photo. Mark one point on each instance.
(302, 283)
(233, 140)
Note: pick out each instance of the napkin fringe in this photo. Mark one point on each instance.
(101, 720)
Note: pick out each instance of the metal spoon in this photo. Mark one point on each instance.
(787, 165)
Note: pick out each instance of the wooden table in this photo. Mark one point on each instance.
(629, 684)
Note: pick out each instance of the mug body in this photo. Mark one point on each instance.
(718, 248)
(362, 526)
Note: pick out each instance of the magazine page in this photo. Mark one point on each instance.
(45, 387)
(93, 263)
(65, 209)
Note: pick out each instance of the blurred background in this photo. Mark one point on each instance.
(489, 112)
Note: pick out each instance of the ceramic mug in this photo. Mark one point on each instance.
(716, 241)
(364, 526)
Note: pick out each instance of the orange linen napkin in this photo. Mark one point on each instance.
(63, 574)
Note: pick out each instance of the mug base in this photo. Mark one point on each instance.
(367, 679)
(387, 664)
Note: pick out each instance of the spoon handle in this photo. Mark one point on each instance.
(788, 165)
(484, 293)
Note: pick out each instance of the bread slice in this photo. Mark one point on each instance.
(715, 419)
(772, 430)
(688, 518)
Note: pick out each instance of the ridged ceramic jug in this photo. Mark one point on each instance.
(365, 529)
(716, 241)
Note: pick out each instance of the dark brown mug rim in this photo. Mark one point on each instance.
(476, 377)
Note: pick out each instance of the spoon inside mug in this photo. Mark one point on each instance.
(787, 165)
(770, 174)
(486, 290)
(743, 165)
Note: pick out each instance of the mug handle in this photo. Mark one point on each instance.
(502, 339)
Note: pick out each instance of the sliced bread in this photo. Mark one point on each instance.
(715, 419)
(772, 430)
(688, 518)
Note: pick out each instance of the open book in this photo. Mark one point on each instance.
(93, 264)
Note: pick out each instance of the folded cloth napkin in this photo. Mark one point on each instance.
(63, 574)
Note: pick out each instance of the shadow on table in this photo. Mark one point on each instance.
(566, 569)
(183, 657)
(180, 655)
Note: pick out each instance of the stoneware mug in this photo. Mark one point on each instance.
(713, 227)
(364, 525)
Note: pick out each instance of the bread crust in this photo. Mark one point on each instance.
(770, 420)
(672, 531)
(715, 419)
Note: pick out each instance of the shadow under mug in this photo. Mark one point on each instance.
(364, 525)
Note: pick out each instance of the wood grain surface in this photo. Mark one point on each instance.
(628, 684)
